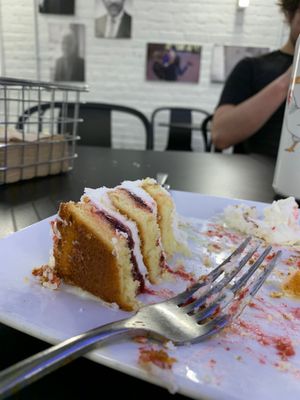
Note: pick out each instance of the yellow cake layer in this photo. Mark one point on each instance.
(148, 230)
(89, 253)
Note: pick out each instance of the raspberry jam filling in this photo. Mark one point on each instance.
(119, 226)
(138, 200)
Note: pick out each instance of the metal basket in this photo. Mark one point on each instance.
(38, 125)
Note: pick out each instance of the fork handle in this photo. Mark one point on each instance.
(161, 178)
(31, 369)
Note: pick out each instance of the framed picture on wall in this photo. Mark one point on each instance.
(173, 62)
(63, 7)
(224, 59)
(1, 55)
(113, 19)
(67, 49)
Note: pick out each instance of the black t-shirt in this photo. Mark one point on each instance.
(248, 77)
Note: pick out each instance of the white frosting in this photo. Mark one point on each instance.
(100, 199)
(280, 224)
(135, 188)
(56, 232)
(179, 235)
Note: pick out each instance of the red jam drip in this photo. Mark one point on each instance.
(181, 273)
(162, 261)
(163, 293)
(283, 345)
(138, 200)
(119, 226)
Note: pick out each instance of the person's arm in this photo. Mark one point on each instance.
(234, 123)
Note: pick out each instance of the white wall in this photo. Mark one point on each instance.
(115, 69)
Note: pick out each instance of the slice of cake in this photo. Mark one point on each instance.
(99, 251)
(172, 239)
(109, 243)
(134, 202)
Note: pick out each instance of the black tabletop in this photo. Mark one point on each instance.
(23, 203)
(238, 176)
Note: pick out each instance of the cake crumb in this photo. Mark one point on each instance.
(47, 276)
(288, 316)
(206, 261)
(140, 339)
(214, 248)
(276, 295)
(291, 285)
(282, 366)
(170, 345)
(156, 356)
(158, 363)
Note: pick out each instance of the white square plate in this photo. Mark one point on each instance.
(240, 364)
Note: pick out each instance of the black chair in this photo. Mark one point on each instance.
(206, 131)
(96, 126)
(180, 123)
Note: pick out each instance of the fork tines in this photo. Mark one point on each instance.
(224, 292)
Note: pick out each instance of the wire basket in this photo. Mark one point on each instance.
(38, 125)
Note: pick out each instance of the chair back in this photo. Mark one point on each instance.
(180, 126)
(96, 126)
(206, 131)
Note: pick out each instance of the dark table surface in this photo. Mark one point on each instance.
(23, 203)
(238, 176)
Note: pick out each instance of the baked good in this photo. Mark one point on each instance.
(110, 242)
(96, 251)
(278, 225)
(171, 237)
(137, 205)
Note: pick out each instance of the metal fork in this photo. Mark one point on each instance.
(199, 312)
(161, 178)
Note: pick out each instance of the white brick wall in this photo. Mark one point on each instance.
(115, 69)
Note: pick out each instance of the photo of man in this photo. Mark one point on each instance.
(68, 42)
(114, 21)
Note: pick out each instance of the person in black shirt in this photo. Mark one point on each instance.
(251, 108)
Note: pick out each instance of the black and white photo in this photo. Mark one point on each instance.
(225, 58)
(1, 54)
(67, 46)
(113, 19)
(63, 7)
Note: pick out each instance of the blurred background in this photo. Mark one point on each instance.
(115, 69)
